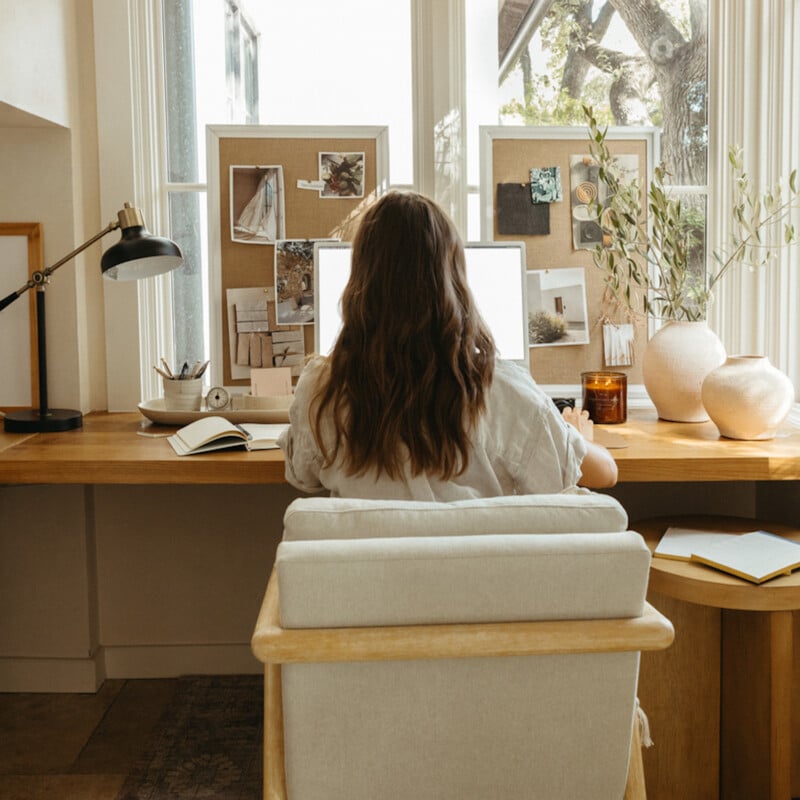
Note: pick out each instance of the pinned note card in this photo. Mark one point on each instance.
(269, 382)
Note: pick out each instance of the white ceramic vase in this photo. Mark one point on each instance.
(675, 364)
(747, 398)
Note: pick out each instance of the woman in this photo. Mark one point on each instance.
(412, 403)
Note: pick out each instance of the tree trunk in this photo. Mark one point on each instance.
(679, 67)
(576, 67)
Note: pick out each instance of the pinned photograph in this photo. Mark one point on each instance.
(546, 185)
(557, 312)
(253, 339)
(618, 344)
(589, 196)
(294, 281)
(342, 175)
(257, 204)
(249, 329)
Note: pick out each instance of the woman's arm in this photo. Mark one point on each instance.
(598, 468)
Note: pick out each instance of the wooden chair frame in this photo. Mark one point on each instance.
(275, 645)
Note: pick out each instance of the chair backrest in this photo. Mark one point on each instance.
(554, 726)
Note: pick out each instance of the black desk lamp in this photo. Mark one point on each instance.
(137, 255)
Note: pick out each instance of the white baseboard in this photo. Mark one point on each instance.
(172, 661)
(51, 674)
(139, 661)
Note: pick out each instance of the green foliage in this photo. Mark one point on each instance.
(648, 269)
(565, 110)
(544, 328)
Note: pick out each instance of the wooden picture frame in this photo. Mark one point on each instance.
(507, 154)
(20, 256)
(301, 211)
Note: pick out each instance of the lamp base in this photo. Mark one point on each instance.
(31, 421)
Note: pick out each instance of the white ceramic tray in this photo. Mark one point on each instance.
(155, 411)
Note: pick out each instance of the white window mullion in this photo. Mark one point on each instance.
(439, 101)
(785, 348)
(127, 63)
(155, 295)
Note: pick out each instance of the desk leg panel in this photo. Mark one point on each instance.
(756, 705)
(796, 707)
(679, 689)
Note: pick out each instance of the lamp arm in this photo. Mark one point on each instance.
(41, 276)
(9, 299)
(112, 226)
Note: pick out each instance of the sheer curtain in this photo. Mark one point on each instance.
(755, 102)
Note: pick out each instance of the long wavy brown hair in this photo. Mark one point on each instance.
(407, 379)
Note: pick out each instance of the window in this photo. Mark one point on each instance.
(311, 73)
(635, 64)
(754, 314)
(550, 47)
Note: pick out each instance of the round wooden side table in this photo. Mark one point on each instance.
(751, 628)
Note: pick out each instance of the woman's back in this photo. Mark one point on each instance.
(520, 446)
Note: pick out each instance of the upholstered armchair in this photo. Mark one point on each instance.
(483, 649)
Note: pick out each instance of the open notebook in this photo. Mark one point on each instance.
(217, 433)
(756, 556)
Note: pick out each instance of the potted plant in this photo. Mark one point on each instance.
(651, 268)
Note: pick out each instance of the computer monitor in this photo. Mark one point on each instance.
(495, 274)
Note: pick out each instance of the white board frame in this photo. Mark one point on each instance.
(637, 396)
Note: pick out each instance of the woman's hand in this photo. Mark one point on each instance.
(598, 468)
(581, 421)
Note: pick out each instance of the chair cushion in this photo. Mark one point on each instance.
(337, 518)
(459, 579)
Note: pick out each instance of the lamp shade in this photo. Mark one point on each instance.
(138, 254)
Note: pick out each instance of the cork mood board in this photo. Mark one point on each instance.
(520, 162)
(278, 187)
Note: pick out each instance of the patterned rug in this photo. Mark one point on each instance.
(207, 743)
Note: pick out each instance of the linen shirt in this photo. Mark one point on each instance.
(521, 445)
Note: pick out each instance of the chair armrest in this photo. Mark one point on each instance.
(273, 644)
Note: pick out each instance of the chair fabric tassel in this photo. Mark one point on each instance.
(644, 725)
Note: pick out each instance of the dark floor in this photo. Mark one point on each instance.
(79, 746)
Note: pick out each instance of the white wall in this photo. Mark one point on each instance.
(48, 160)
(33, 57)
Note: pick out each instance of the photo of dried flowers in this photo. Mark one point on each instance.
(342, 175)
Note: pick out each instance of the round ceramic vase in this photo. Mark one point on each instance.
(747, 398)
(675, 364)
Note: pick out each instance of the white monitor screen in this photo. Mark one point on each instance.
(495, 273)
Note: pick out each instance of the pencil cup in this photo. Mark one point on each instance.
(183, 395)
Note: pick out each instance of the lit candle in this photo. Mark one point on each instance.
(605, 396)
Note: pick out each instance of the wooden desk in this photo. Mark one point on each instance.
(108, 450)
(720, 700)
(111, 508)
(684, 452)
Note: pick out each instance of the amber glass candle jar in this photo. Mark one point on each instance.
(605, 396)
